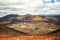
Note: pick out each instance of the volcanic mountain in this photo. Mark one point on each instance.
(30, 24)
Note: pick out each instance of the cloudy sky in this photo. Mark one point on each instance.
(34, 7)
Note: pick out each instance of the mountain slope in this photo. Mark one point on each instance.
(25, 24)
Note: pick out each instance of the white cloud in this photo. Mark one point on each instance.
(8, 1)
(31, 6)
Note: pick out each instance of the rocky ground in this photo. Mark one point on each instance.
(7, 32)
(15, 26)
(35, 28)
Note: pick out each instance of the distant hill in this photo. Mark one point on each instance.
(55, 16)
(11, 16)
(15, 17)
